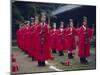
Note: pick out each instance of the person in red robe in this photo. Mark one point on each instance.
(84, 34)
(26, 37)
(20, 39)
(32, 31)
(70, 42)
(29, 33)
(42, 45)
(53, 33)
(60, 39)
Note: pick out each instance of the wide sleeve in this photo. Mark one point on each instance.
(76, 31)
(91, 31)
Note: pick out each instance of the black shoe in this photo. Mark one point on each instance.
(70, 56)
(61, 53)
(54, 51)
(82, 60)
(41, 64)
(85, 61)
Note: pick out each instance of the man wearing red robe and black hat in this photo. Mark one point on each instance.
(70, 42)
(42, 45)
(53, 33)
(20, 36)
(60, 39)
(85, 34)
(26, 36)
(32, 34)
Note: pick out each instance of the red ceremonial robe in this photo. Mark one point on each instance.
(42, 45)
(53, 37)
(32, 34)
(20, 39)
(28, 36)
(84, 41)
(23, 38)
(26, 39)
(70, 43)
(60, 40)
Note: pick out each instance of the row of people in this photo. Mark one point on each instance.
(39, 40)
(62, 39)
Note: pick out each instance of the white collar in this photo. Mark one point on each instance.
(61, 29)
(84, 27)
(27, 27)
(71, 28)
(42, 23)
(54, 29)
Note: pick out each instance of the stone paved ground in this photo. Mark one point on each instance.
(26, 65)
